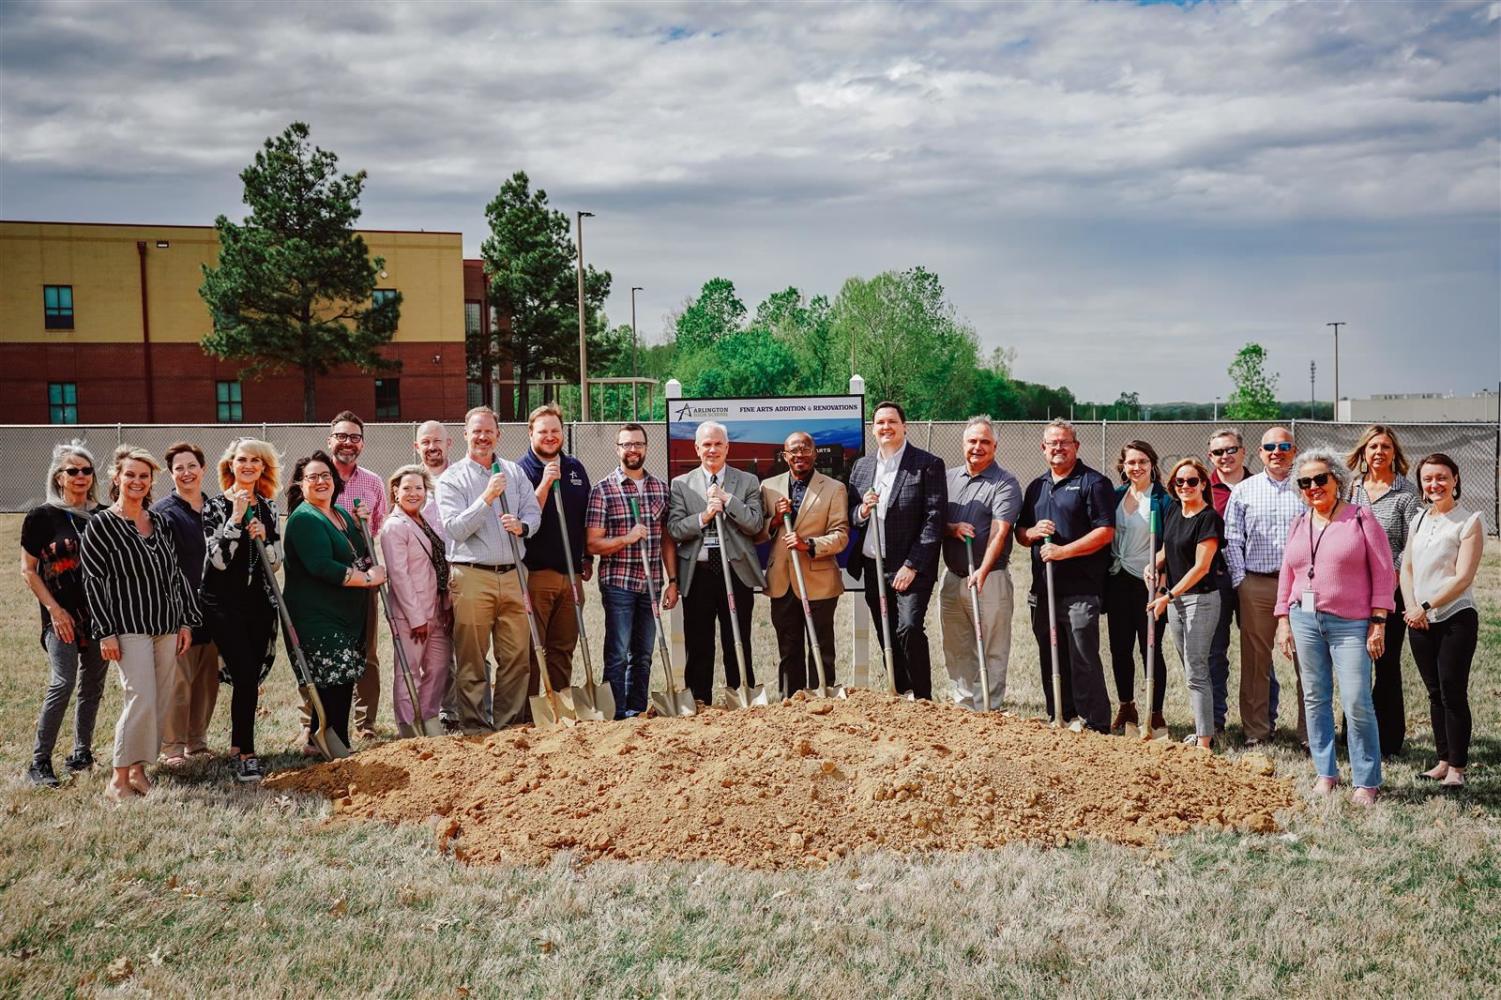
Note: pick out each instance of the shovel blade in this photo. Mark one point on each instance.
(326, 740)
(545, 718)
(761, 695)
(1150, 735)
(681, 706)
(603, 702)
(837, 691)
(433, 727)
(584, 707)
(735, 698)
(1133, 731)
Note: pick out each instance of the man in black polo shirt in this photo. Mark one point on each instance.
(1075, 505)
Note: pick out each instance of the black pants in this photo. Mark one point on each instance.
(243, 630)
(797, 667)
(336, 700)
(1126, 621)
(910, 660)
(1443, 653)
(1079, 666)
(1386, 689)
(703, 606)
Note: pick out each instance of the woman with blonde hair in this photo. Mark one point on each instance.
(417, 569)
(50, 540)
(237, 598)
(143, 611)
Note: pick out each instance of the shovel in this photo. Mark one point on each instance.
(674, 702)
(974, 606)
(875, 525)
(548, 710)
(744, 696)
(326, 740)
(1146, 730)
(823, 689)
(427, 727)
(1053, 643)
(595, 704)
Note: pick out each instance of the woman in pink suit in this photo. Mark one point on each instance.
(417, 568)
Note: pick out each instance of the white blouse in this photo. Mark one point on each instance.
(1433, 541)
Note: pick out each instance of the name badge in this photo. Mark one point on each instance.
(1307, 603)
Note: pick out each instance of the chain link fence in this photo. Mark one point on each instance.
(1476, 447)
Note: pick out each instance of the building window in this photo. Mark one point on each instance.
(471, 318)
(57, 304)
(388, 399)
(381, 296)
(62, 402)
(229, 406)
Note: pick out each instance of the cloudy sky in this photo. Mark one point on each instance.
(1122, 194)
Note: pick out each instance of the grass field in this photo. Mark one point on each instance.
(209, 889)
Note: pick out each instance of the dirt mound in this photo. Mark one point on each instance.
(800, 783)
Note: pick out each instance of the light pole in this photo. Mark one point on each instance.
(1336, 364)
(583, 340)
(634, 372)
(1312, 398)
(1216, 409)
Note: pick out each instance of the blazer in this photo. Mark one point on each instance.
(823, 520)
(915, 515)
(412, 583)
(687, 498)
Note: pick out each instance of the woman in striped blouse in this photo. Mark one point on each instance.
(143, 609)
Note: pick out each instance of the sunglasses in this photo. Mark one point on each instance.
(1277, 446)
(1220, 452)
(1187, 481)
(87, 470)
(1304, 482)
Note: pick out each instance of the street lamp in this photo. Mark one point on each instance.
(583, 341)
(1336, 364)
(634, 372)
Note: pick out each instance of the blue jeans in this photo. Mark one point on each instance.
(630, 630)
(1328, 647)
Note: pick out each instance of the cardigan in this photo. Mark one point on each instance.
(1352, 571)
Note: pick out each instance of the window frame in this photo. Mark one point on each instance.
(391, 408)
(65, 405)
(55, 315)
(229, 401)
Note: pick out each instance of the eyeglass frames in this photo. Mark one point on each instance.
(1271, 446)
(1307, 482)
(1227, 450)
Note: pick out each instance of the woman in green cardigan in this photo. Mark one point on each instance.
(327, 568)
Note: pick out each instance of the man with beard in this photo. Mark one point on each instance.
(617, 537)
(546, 561)
(806, 512)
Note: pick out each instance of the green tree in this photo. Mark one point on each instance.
(743, 363)
(806, 327)
(1255, 393)
(1127, 406)
(717, 312)
(531, 262)
(294, 283)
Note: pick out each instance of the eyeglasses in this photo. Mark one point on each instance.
(799, 450)
(86, 470)
(1220, 452)
(317, 477)
(1276, 446)
(631, 445)
(1304, 482)
(1187, 481)
(349, 438)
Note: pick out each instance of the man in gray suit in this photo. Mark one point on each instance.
(694, 500)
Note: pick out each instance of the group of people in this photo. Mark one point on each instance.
(1331, 560)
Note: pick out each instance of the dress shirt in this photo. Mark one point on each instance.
(885, 476)
(473, 526)
(370, 490)
(1257, 517)
(430, 512)
(711, 530)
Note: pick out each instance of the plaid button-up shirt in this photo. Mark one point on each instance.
(1257, 519)
(370, 490)
(609, 508)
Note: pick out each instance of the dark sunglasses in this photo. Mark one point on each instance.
(1189, 481)
(1277, 446)
(87, 470)
(1218, 452)
(1304, 482)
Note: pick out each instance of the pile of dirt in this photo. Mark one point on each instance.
(799, 783)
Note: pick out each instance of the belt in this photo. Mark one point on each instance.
(493, 568)
(1252, 572)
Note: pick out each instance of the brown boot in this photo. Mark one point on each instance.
(1124, 715)
(1158, 722)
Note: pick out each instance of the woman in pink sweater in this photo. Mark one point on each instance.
(1333, 596)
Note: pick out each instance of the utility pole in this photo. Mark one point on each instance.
(583, 340)
(1336, 364)
(1312, 368)
(634, 372)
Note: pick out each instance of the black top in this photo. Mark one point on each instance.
(135, 585)
(544, 548)
(50, 535)
(1078, 503)
(233, 575)
(1180, 540)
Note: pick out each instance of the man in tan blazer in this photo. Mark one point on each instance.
(816, 506)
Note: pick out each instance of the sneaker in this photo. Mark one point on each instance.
(247, 769)
(1191, 740)
(42, 775)
(1126, 714)
(79, 760)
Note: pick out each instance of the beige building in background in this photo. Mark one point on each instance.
(1420, 407)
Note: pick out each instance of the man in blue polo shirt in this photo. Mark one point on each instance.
(546, 564)
(1068, 519)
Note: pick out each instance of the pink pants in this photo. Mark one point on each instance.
(430, 662)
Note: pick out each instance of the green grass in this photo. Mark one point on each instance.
(211, 889)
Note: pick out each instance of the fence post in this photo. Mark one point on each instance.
(1104, 449)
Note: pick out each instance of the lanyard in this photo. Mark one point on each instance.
(1313, 546)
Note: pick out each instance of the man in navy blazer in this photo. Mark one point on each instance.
(905, 487)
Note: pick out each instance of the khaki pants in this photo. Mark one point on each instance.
(960, 654)
(552, 601)
(195, 692)
(488, 614)
(148, 664)
(1258, 629)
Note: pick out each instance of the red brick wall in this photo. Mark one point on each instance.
(111, 384)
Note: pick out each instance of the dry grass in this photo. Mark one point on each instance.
(211, 889)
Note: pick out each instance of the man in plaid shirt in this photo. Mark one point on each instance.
(615, 536)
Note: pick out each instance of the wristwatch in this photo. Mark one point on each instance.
(1378, 619)
(1426, 606)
